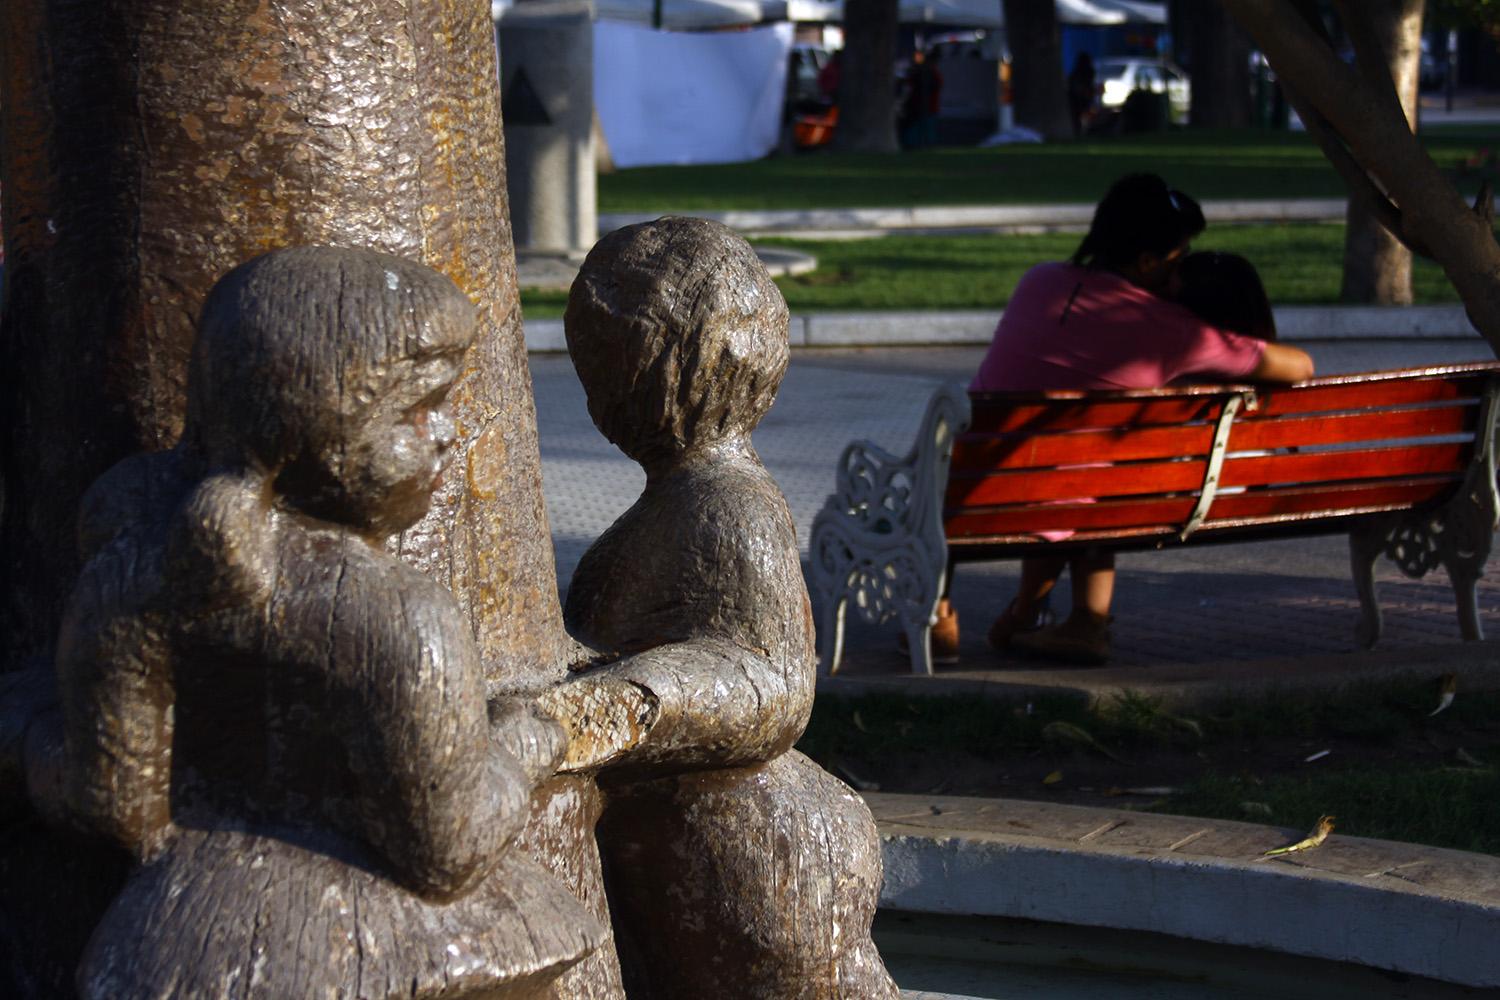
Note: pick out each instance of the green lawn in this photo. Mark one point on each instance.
(1206, 164)
(1392, 770)
(1300, 264)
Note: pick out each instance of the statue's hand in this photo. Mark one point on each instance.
(605, 717)
(535, 739)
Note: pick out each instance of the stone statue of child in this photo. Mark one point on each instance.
(283, 722)
(735, 867)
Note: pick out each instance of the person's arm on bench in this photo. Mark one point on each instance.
(1282, 363)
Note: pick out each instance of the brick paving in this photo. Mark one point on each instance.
(1215, 603)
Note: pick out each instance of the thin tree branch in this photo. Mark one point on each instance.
(1361, 185)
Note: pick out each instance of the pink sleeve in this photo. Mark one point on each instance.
(1219, 354)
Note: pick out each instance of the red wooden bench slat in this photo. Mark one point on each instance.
(961, 525)
(1304, 431)
(1379, 394)
(1100, 521)
(1144, 478)
(1003, 413)
(1067, 484)
(1415, 491)
(1333, 466)
(971, 454)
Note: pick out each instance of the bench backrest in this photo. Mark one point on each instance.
(1144, 467)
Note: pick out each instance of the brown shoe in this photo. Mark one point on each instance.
(1011, 624)
(944, 639)
(1082, 639)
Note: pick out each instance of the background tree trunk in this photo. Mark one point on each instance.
(1377, 268)
(867, 80)
(1037, 77)
(150, 146)
(1219, 62)
(1364, 133)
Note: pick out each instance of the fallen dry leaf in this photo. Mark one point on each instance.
(1191, 725)
(859, 722)
(1319, 834)
(1067, 734)
(1052, 778)
(1448, 687)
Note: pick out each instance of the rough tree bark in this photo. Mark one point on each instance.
(151, 146)
(1220, 61)
(1037, 81)
(1377, 268)
(1363, 131)
(867, 82)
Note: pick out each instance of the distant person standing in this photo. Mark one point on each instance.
(919, 110)
(830, 76)
(1081, 91)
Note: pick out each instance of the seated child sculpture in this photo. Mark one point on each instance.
(735, 867)
(284, 723)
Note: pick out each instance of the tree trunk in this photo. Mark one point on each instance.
(1219, 61)
(152, 145)
(1036, 70)
(1377, 268)
(1364, 133)
(867, 80)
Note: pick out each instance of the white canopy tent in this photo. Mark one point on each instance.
(691, 94)
(699, 15)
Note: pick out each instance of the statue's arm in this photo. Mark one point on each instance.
(443, 794)
(115, 689)
(701, 703)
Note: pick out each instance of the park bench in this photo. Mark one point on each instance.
(1402, 461)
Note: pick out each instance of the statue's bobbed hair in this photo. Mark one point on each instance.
(678, 334)
(297, 346)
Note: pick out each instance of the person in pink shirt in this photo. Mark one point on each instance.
(1102, 321)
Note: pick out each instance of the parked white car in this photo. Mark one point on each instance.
(1118, 76)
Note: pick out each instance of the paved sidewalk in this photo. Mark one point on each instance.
(1182, 616)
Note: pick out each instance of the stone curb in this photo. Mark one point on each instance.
(1021, 218)
(1001, 217)
(1358, 907)
(968, 328)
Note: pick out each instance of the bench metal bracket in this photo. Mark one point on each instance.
(879, 538)
(1216, 452)
(1457, 536)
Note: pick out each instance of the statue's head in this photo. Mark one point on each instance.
(678, 335)
(326, 370)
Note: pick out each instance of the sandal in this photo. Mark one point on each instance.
(1083, 639)
(1011, 624)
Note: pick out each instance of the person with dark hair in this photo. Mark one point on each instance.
(1103, 321)
(1224, 289)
